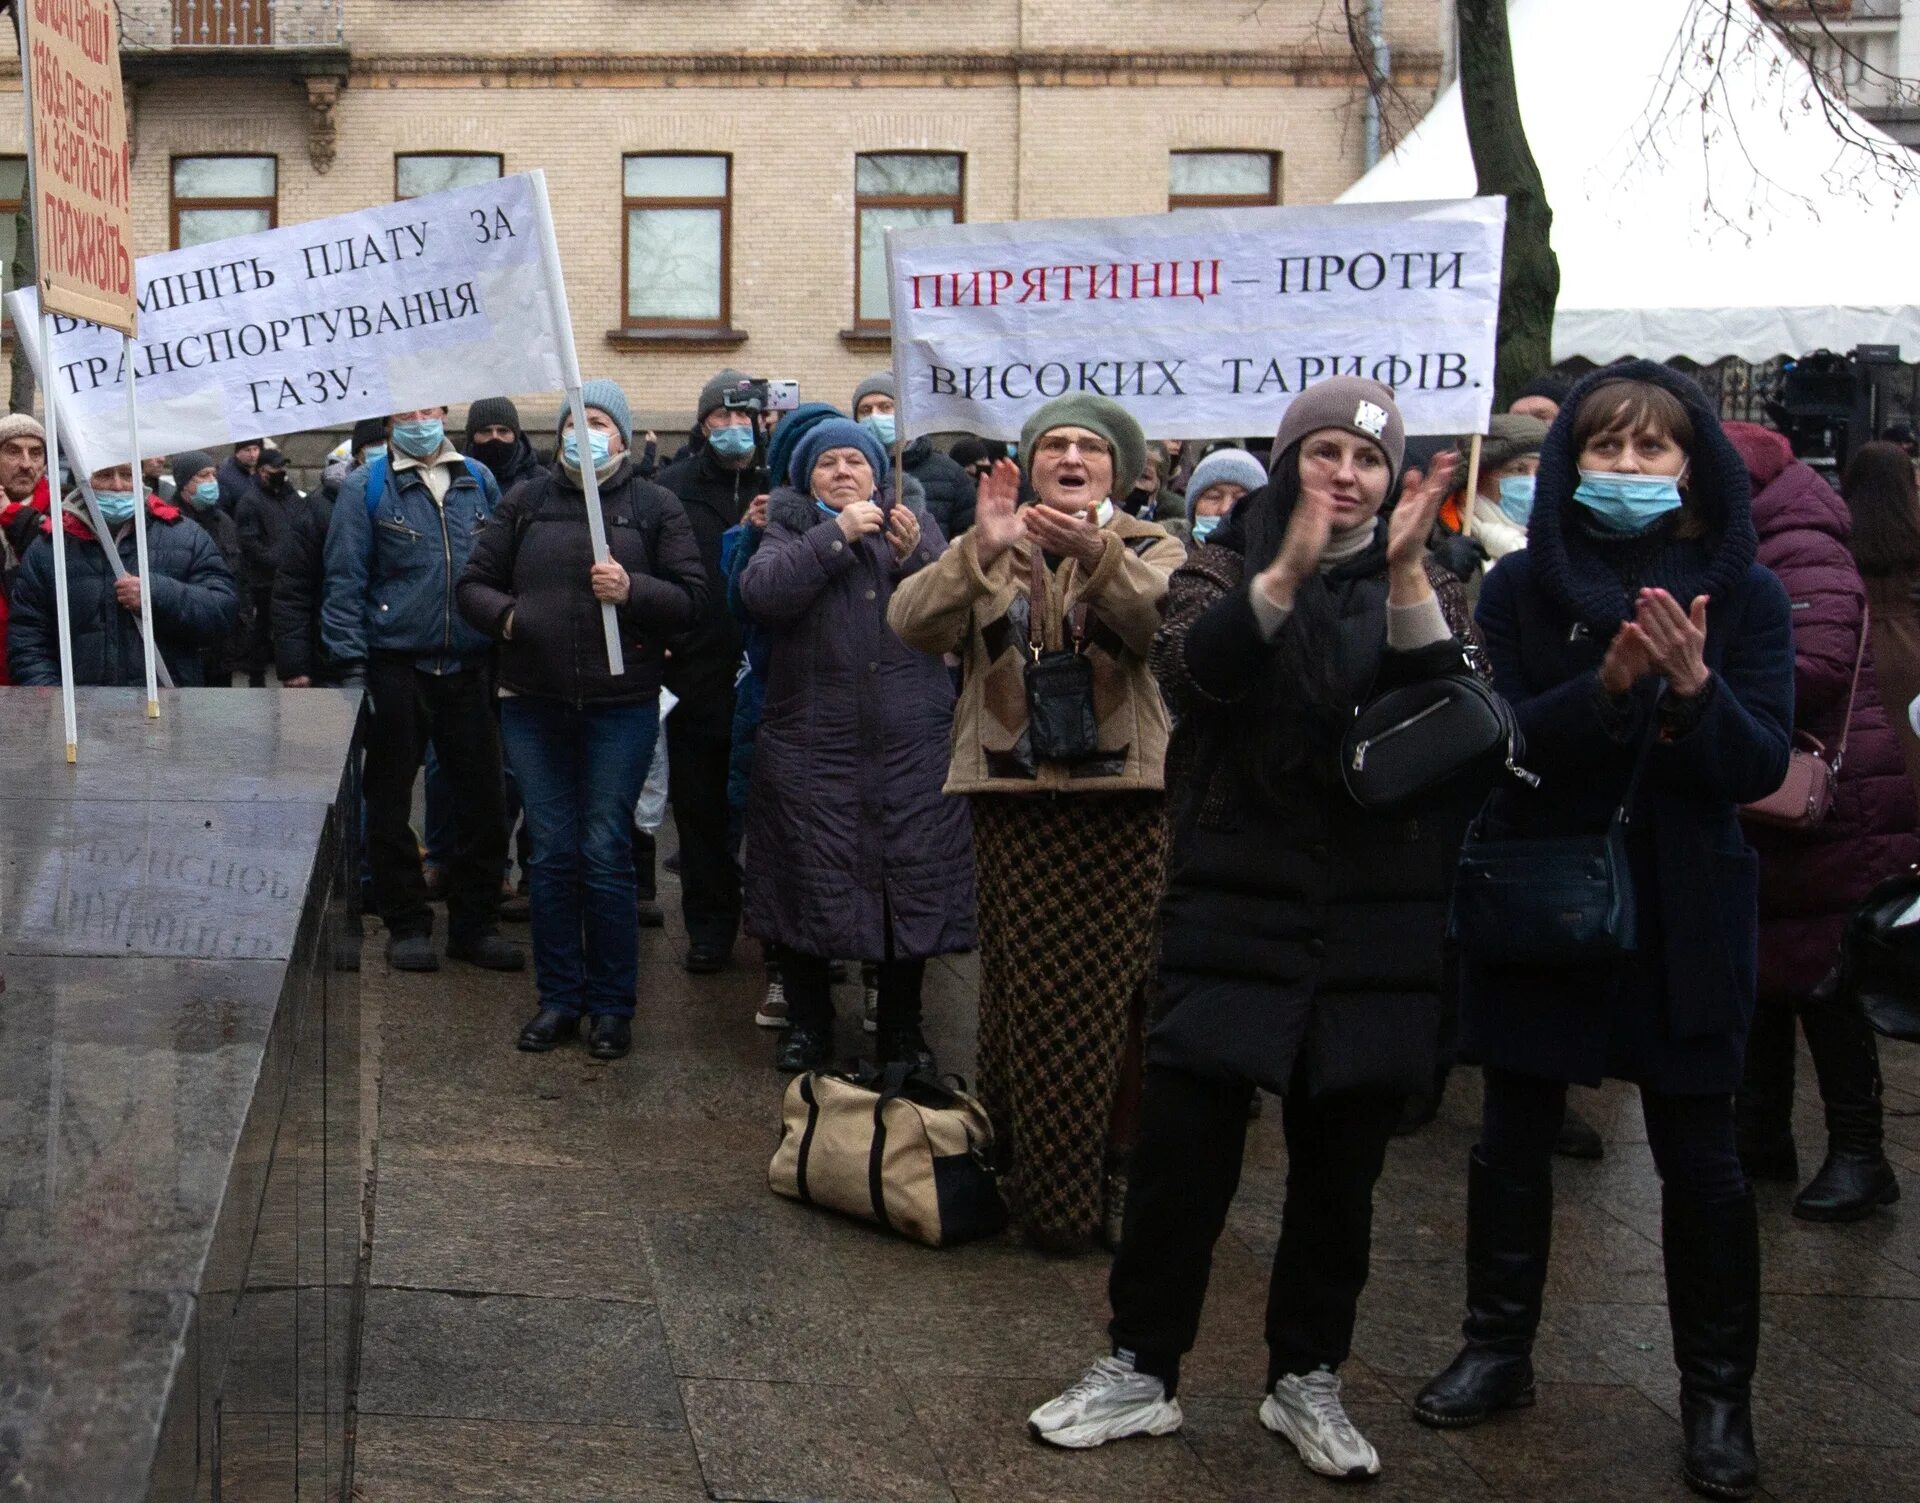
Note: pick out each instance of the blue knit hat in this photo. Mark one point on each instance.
(794, 427)
(610, 399)
(834, 433)
(1234, 465)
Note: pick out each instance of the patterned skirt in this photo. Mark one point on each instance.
(1069, 889)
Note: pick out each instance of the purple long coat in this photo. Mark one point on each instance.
(1811, 880)
(846, 823)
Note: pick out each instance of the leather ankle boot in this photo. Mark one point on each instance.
(1509, 1231)
(1712, 1254)
(1856, 1179)
(1763, 1106)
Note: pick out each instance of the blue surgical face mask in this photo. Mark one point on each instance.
(1627, 503)
(881, 426)
(732, 443)
(205, 493)
(422, 439)
(1203, 527)
(599, 445)
(1516, 497)
(115, 506)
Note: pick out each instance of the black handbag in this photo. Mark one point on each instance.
(1439, 737)
(1880, 956)
(1562, 900)
(1061, 725)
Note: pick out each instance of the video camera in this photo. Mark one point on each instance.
(761, 396)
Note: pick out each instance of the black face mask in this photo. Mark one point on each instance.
(495, 453)
(274, 480)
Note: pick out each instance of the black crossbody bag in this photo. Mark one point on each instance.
(1562, 900)
(1061, 726)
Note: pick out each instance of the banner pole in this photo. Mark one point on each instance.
(140, 533)
(57, 522)
(570, 369)
(1472, 495)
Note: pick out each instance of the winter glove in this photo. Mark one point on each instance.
(1459, 555)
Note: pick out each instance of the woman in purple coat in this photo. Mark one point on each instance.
(852, 850)
(1810, 880)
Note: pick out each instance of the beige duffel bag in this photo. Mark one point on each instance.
(905, 1151)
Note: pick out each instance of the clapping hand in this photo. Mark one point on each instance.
(859, 519)
(1308, 530)
(1661, 639)
(1066, 535)
(998, 522)
(1421, 496)
(903, 532)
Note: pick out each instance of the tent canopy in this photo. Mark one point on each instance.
(1751, 227)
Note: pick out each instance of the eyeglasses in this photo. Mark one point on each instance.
(1058, 444)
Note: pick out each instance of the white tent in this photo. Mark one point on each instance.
(1750, 228)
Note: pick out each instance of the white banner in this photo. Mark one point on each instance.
(1205, 323)
(433, 300)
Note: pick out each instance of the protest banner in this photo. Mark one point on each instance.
(428, 301)
(82, 202)
(1206, 322)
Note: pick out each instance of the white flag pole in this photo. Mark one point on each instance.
(56, 517)
(570, 370)
(139, 532)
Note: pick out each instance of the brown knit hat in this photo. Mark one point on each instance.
(21, 425)
(1353, 405)
(1509, 436)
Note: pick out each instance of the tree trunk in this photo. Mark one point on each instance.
(1530, 276)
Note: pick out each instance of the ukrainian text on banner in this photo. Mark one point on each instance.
(82, 207)
(1207, 322)
(433, 300)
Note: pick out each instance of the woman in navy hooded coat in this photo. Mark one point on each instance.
(1636, 616)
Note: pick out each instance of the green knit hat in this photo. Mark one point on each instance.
(1101, 415)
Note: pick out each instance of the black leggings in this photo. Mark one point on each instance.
(808, 980)
(1691, 1136)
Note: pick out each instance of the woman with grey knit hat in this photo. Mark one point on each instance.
(1300, 935)
(1214, 489)
(1063, 961)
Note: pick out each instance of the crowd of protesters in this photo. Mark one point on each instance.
(828, 636)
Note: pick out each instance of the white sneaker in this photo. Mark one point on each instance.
(1307, 1410)
(870, 1003)
(773, 1008)
(1111, 1402)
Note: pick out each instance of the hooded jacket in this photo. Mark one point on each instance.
(532, 560)
(1811, 880)
(194, 604)
(1673, 1015)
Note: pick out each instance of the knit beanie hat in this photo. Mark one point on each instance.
(834, 433)
(607, 397)
(879, 384)
(1101, 415)
(1236, 466)
(1510, 435)
(1549, 384)
(711, 393)
(1354, 405)
(21, 425)
(489, 411)
(794, 427)
(272, 459)
(186, 466)
(368, 433)
(969, 451)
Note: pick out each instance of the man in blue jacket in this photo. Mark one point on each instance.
(398, 538)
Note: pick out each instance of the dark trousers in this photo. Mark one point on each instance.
(697, 758)
(1184, 1171)
(1691, 1136)
(260, 640)
(809, 987)
(455, 712)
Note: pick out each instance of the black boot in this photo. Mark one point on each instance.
(1763, 1108)
(1856, 1178)
(1713, 1301)
(1509, 1229)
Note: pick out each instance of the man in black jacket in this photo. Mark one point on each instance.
(262, 520)
(496, 439)
(300, 570)
(950, 491)
(715, 482)
(236, 475)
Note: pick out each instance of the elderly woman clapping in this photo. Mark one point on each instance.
(851, 848)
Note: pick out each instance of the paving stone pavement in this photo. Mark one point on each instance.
(583, 1292)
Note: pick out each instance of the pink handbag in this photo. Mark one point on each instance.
(1804, 798)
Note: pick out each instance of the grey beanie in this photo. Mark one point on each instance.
(610, 399)
(1510, 435)
(1352, 404)
(186, 466)
(1101, 415)
(21, 425)
(1231, 465)
(713, 391)
(879, 384)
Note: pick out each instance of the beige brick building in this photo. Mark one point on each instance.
(741, 150)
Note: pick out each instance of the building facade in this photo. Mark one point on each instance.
(722, 179)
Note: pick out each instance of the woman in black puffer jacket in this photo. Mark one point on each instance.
(579, 739)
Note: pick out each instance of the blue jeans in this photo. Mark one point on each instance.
(580, 774)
